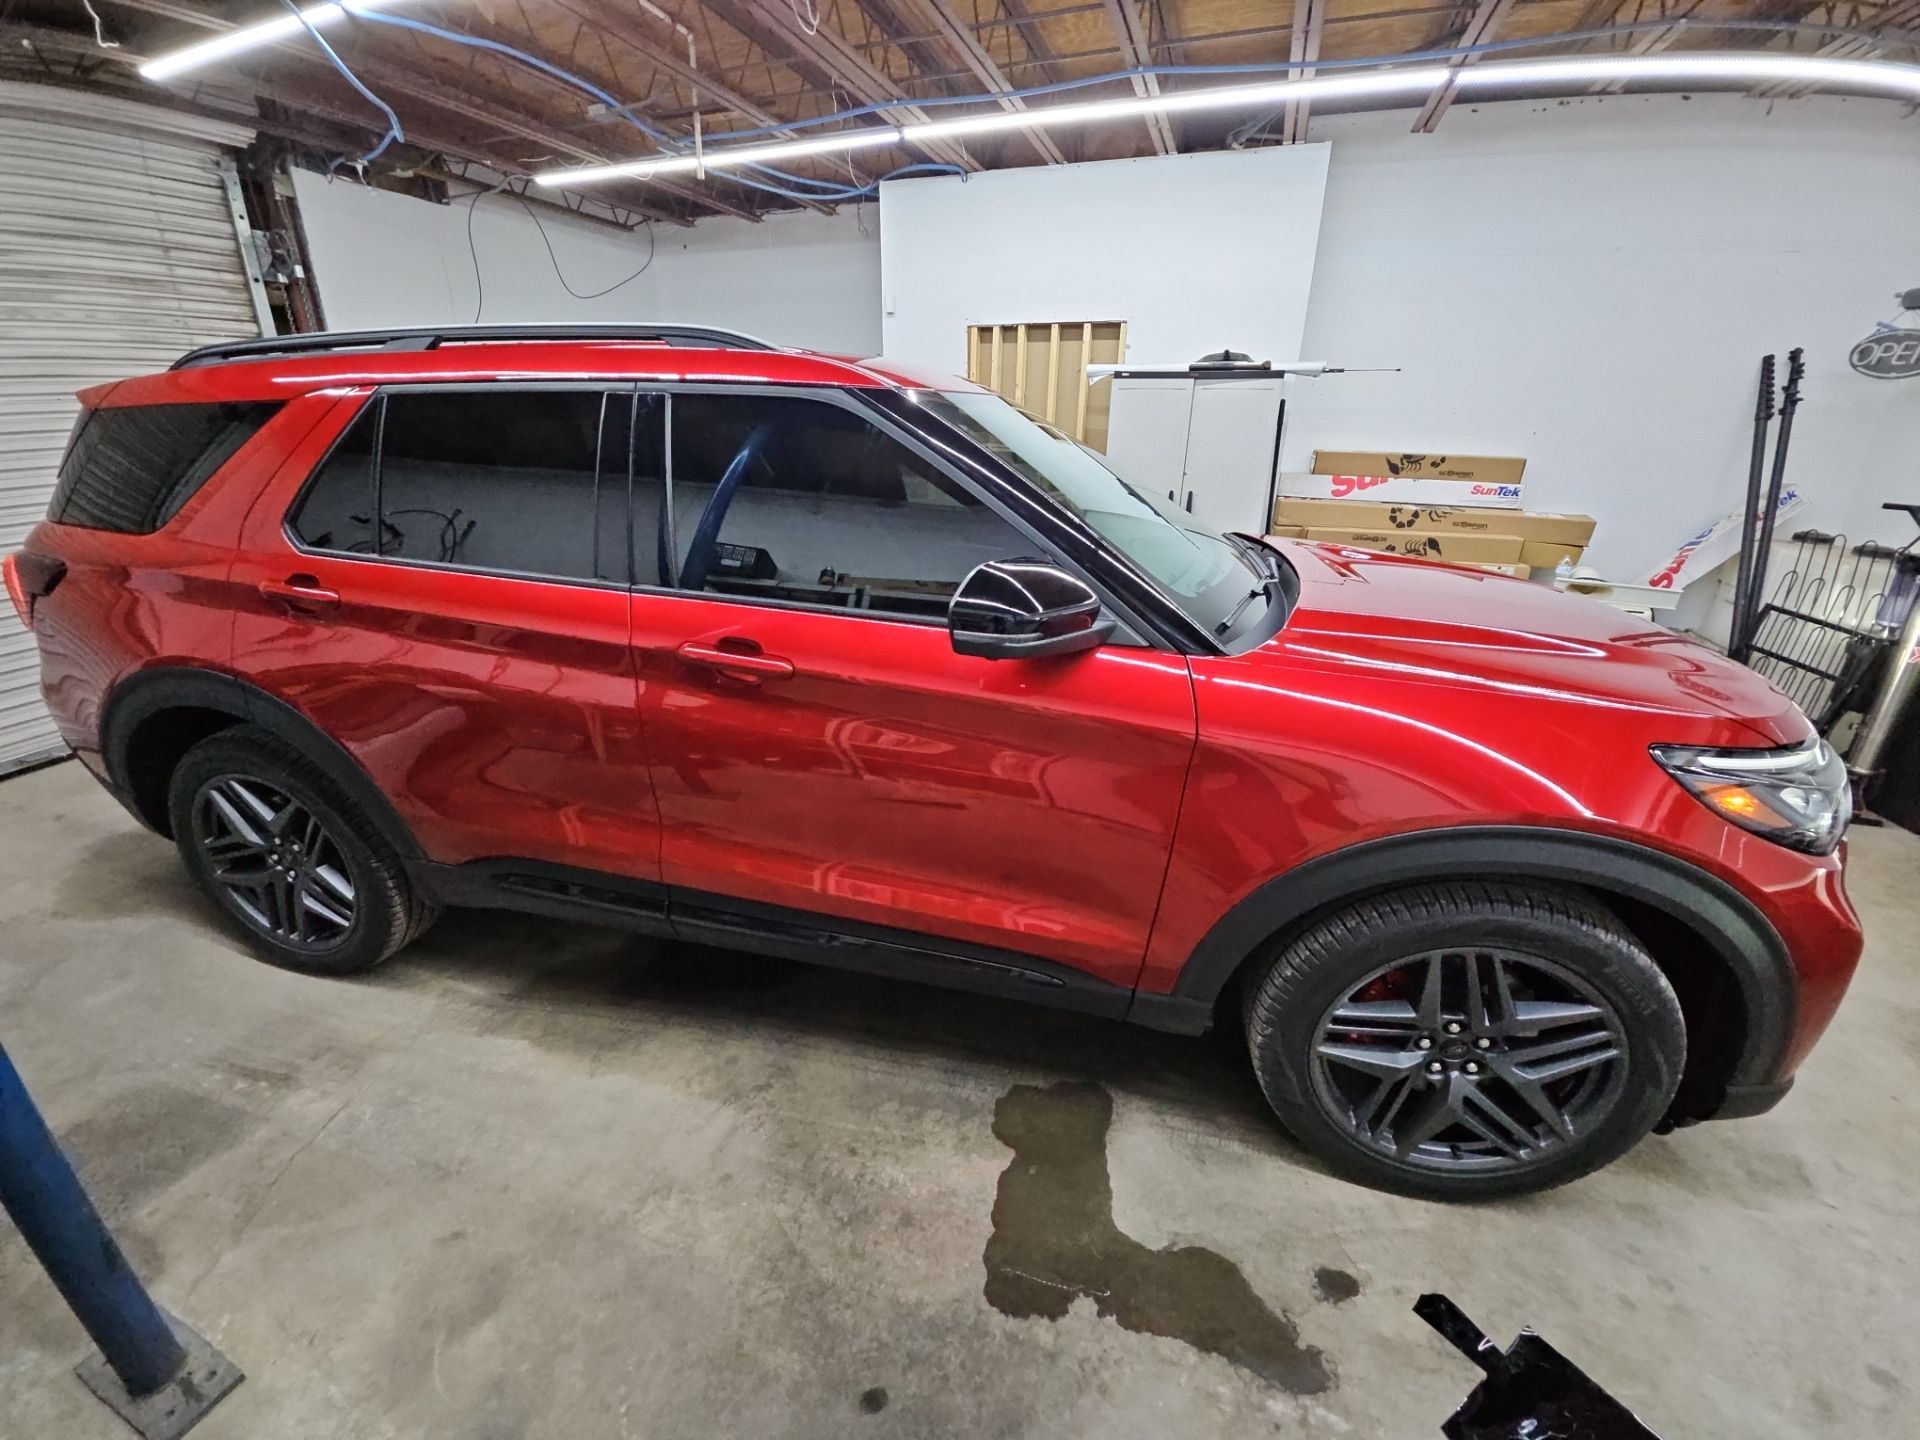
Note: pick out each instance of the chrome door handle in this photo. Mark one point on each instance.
(300, 592)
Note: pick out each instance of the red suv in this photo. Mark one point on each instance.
(834, 660)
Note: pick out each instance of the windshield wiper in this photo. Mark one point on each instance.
(1264, 561)
(1256, 556)
(1263, 591)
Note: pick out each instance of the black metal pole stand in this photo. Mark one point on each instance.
(1750, 517)
(151, 1370)
(1788, 406)
(1757, 582)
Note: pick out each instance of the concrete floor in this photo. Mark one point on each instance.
(539, 1181)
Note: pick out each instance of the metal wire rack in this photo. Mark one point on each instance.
(1823, 633)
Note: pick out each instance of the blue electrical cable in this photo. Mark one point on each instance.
(662, 138)
(394, 132)
(479, 42)
(784, 183)
(1273, 67)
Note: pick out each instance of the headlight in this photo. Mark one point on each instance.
(1797, 796)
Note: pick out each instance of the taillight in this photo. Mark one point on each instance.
(29, 577)
(15, 591)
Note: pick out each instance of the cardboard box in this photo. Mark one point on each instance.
(1487, 469)
(1504, 549)
(1574, 530)
(1547, 554)
(1290, 532)
(1534, 526)
(1400, 490)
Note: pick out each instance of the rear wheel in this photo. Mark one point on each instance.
(292, 863)
(1463, 1041)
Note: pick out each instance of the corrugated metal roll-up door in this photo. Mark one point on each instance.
(118, 251)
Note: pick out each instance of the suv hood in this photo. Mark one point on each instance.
(1446, 625)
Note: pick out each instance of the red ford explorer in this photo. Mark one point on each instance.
(673, 629)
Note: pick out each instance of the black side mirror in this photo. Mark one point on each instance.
(1015, 609)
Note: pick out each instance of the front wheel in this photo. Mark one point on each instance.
(1466, 1040)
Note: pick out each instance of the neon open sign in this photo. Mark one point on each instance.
(1888, 355)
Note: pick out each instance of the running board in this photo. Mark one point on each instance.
(539, 888)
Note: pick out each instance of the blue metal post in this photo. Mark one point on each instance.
(40, 1191)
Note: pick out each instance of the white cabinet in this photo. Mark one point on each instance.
(1209, 443)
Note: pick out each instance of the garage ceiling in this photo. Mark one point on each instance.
(747, 64)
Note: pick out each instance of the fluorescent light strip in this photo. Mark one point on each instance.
(721, 159)
(1277, 92)
(1237, 96)
(1742, 68)
(209, 52)
(1868, 75)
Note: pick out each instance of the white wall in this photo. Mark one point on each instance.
(382, 259)
(1591, 285)
(1195, 252)
(802, 279)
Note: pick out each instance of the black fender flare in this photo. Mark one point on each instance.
(1739, 935)
(147, 693)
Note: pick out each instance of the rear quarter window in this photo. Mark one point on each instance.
(130, 468)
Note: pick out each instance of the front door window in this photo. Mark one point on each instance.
(781, 497)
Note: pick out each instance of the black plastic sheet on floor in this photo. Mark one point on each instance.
(1532, 1391)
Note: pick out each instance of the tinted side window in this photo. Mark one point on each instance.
(336, 513)
(493, 480)
(503, 480)
(130, 468)
(797, 499)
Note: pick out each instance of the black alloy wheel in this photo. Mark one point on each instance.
(1464, 1040)
(1470, 1059)
(276, 862)
(295, 865)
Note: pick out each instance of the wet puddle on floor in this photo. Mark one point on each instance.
(1054, 1241)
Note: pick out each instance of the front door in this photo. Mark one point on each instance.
(447, 598)
(815, 743)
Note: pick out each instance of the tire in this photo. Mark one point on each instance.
(323, 891)
(1354, 1052)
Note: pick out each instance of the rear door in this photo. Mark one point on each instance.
(818, 749)
(447, 598)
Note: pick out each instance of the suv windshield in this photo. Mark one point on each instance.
(1214, 579)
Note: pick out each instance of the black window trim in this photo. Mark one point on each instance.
(1132, 633)
(378, 397)
(1111, 573)
(1138, 627)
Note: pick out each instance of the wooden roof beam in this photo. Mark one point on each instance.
(612, 22)
(394, 80)
(826, 58)
(1647, 42)
(1486, 18)
(965, 44)
(1309, 21)
(1022, 19)
(1850, 47)
(1138, 54)
(457, 151)
(1597, 13)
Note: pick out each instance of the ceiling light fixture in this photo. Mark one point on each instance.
(250, 37)
(1233, 97)
(1869, 76)
(716, 159)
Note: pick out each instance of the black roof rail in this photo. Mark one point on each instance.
(432, 338)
